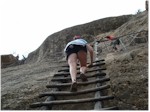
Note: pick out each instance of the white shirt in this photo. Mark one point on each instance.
(76, 42)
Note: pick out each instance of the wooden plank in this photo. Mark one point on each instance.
(78, 77)
(67, 70)
(98, 64)
(79, 83)
(67, 93)
(111, 108)
(88, 71)
(99, 69)
(64, 70)
(74, 101)
(99, 60)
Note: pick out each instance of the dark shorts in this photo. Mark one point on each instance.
(115, 42)
(74, 49)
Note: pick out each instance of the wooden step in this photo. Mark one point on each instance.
(78, 77)
(67, 93)
(74, 101)
(111, 108)
(79, 83)
(88, 71)
(67, 70)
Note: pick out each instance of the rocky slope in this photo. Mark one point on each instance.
(55, 43)
(128, 70)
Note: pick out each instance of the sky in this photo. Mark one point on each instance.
(25, 24)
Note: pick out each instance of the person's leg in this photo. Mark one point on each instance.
(118, 45)
(82, 56)
(72, 61)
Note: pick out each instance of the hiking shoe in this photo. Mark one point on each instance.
(73, 87)
(83, 77)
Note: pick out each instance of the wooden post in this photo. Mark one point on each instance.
(122, 44)
(98, 104)
(146, 5)
(95, 49)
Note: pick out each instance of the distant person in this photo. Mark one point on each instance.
(76, 50)
(114, 42)
(17, 57)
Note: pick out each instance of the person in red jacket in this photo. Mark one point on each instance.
(115, 42)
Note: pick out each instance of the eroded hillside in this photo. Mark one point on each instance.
(128, 71)
(55, 43)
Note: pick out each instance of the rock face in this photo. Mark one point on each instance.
(137, 23)
(55, 43)
(8, 60)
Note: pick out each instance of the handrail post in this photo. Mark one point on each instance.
(95, 49)
(98, 104)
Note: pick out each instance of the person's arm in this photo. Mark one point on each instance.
(91, 51)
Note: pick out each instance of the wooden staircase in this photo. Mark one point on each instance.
(88, 97)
